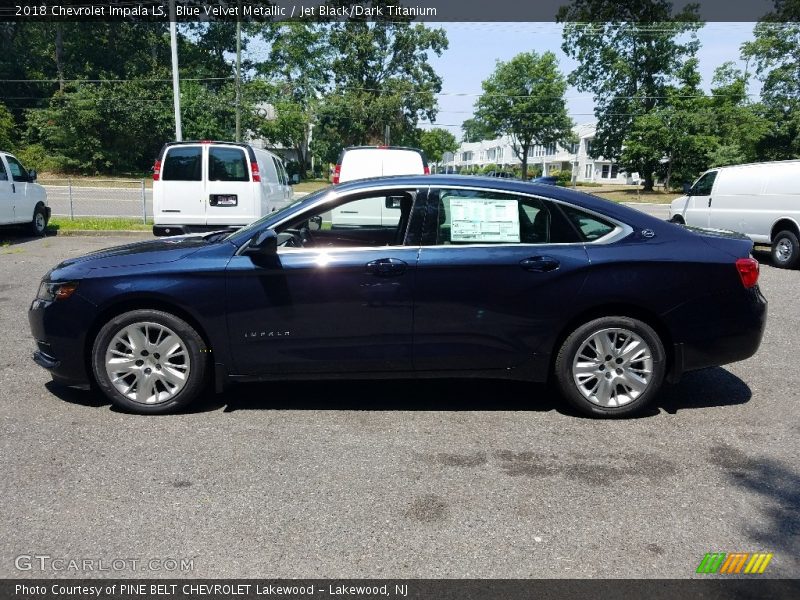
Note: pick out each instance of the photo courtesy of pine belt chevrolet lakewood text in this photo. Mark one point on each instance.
(467, 277)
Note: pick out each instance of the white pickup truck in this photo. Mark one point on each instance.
(22, 200)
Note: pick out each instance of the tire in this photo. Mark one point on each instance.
(636, 371)
(677, 219)
(785, 250)
(150, 375)
(39, 222)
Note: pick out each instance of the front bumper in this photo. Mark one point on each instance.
(59, 329)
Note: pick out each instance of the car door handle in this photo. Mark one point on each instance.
(13, 188)
(386, 267)
(539, 264)
(709, 203)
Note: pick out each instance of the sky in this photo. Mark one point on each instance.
(475, 48)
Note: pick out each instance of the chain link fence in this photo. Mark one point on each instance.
(129, 198)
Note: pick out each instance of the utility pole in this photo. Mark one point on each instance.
(386, 136)
(176, 87)
(239, 73)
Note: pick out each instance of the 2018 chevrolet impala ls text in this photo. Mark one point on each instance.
(476, 277)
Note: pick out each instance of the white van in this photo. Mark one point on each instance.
(203, 186)
(761, 200)
(362, 162)
(22, 200)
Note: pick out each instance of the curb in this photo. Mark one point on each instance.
(100, 233)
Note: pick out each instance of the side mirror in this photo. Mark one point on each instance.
(687, 189)
(32, 175)
(315, 223)
(265, 242)
(295, 179)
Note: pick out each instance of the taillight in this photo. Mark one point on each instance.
(254, 171)
(336, 171)
(157, 170)
(748, 271)
(426, 170)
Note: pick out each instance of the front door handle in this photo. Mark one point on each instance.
(539, 264)
(387, 267)
(709, 203)
(13, 188)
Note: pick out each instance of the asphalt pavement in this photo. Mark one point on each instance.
(409, 479)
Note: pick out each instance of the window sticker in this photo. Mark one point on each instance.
(480, 220)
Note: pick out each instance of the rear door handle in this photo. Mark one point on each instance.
(539, 264)
(387, 267)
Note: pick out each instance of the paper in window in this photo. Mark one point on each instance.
(480, 220)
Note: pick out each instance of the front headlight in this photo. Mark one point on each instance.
(52, 291)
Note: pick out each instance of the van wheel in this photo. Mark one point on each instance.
(610, 367)
(39, 222)
(149, 362)
(785, 250)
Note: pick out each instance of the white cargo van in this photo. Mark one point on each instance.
(362, 162)
(22, 200)
(202, 186)
(761, 200)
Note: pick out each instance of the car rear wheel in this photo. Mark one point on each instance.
(785, 250)
(149, 362)
(39, 222)
(611, 366)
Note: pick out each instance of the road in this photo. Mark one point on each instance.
(407, 479)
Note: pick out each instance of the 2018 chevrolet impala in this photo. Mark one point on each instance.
(477, 277)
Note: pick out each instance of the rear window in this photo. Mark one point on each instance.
(182, 164)
(590, 227)
(227, 164)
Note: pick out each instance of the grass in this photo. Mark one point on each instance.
(98, 224)
(311, 185)
(633, 193)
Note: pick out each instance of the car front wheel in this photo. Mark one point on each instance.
(611, 366)
(149, 362)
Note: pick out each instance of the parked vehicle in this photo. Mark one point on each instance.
(761, 200)
(22, 200)
(363, 162)
(480, 278)
(204, 186)
(549, 180)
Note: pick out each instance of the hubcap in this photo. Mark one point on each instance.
(39, 221)
(613, 367)
(783, 250)
(147, 363)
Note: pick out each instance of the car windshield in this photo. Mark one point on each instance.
(255, 225)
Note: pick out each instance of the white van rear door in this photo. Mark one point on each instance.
(178, 197)
(230, 193)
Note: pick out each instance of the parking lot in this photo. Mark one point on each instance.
(410, 479)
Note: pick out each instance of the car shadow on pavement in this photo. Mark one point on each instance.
(700, 389)
(12, 236)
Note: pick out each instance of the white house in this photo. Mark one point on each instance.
(577, 158)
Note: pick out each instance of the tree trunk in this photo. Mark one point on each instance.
(525, 162)
(669, 173)
(648, 181)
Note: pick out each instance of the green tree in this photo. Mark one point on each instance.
(381, 77)
(524, 99)
(8, 139)
(776, 54)
(627, 54)
(435, 142)
(473, 130)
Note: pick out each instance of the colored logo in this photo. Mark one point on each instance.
(734, 563)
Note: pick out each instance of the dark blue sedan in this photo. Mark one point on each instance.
(408, 276)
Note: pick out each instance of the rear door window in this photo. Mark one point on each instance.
(590, 227)
(279, 170)
(183, 164)
(227, 164)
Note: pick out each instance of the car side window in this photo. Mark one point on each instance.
(182, 164)
(704, 184)
(370, 221)
(279, 171)
(18, 172)
(3, 173)
(227, 164)
(483, 217)
(590, 227)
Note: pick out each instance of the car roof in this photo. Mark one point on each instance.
(503, 184)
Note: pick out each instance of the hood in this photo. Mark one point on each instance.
(139, 253)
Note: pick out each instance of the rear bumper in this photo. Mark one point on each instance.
(729, 331)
